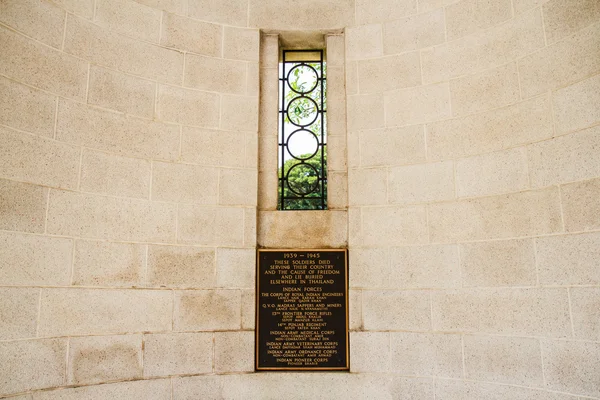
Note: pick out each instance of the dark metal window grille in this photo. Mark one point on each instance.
(302, 131)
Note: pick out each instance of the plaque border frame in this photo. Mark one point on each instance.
(256, 312)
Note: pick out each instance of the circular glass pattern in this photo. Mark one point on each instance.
(305, 181)
(302, 111)
(303, 79)
(302, 144)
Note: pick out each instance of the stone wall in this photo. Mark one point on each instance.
(128, 198)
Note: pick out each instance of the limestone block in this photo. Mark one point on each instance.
(238, 187)
(22, 206)
(576, 106)
(572, 366)
(215, 74)
(102, 217)
(236, 268)
(524, 5)
(396, 310)
(389, 73)
(351, 77)
(269, 102)
(367, 186)
(335, 45)
(425, 354)
(156, 389)
(174, 6)
(114, 175)
(569, 259)
(183, 267)
(465, 390)
(32, 364)
(251, 147)
(416, 267)
(234, 351)
(111, 49)
(492, 173)
(581, 209)
(188, 107)
(42, 21)
(241, 44)
(370, 352)
(84, 8)
(250, 218)
(104, 311)
(421, 183)
(585, 303)
(470, 16)
(486, 90)
(207, 310)
(269, 51)
(248, 314)
(184, 183)
(337, 191)
(191, 35)
(307, 15)
(355, 310)
(417, 105)
(117, 133)
(527, 312)
(128, 17)
(268, 190)
(24, 108)
(498, 263)
(178, 354)
(211, 147)
(18, 307)
(414, 32)
(370, 268)
(336, 103)
(41, 66)
(365, 112)
(228, 12)
(364, 42)
(194, 387)
(382, 10)
(496, 217)
(563, 17)
(521, 123)
(253, 78)
(392, 146)
(565, 158)
(34, 260)
(239, 113)
(120, 92)
(99, 263)
(35, 159)
(211, 226)
(418, 388)
(511, 360)
(393, 226)
(99, 359)
(567, 61)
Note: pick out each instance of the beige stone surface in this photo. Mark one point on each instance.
(527, 312)
(581, 209)
(178, 353)
(351, 77)
(364, 42)
(396, 310)
(241, 44)
(239, 113)
(84, 8)
(383, 10)
(470, 16)
(184, 183)
(101, 217)
(392, 146)
(128, 17)
(41, 20)
(22, 206)
(38, 160)
(498, 263)
(182, 267)
(191, 35)
(511, 360)
(336, 153)
(371, 268)
(424, 266)
(563, 17)
(236, 268)
(228, 12)
(421, 183)
(215, 74)
(417, 105)
(374, 75)
(117, 133)
(32, 364)
(103, 311)
(174, 6)
(367, 186)
(18, 307)
(41, 66)
(354, 310)
(24, 108)
(99, 263)
(370, 351)
(250, 226)
(212, 147)
(569, 259)
(337, 191)
(585, 311)
(207, 310)
(156, 389)
(284, 15)
(248, 314)
(34, 260)
(188, 107)
(238, 187)
(365, 112)
(100, 359)
(234, 351)
(414, 32)
(210, 225)
(572, 366)
(496, 217)
(576, 106)
(567, 61)
(518, 124)
(469, 390)
(393, 225)
(111, 49)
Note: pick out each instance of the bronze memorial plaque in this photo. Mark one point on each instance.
(302, 310)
